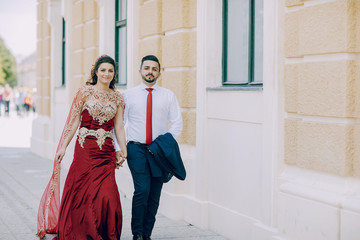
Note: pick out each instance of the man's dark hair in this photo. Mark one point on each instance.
(151, 58)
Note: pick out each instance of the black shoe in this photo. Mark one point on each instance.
(146, 238)
(137, 237)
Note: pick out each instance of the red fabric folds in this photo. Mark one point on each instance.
(48, 212)
(91, 202)
(49, 205)
(90, 206)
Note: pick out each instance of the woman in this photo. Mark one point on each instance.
(90, 205)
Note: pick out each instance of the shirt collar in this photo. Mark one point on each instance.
(143, 86)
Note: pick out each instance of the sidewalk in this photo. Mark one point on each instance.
(23, 177)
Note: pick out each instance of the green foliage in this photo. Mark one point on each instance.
(7, 66)
(2, 74)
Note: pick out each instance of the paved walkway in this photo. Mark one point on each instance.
(24, 175)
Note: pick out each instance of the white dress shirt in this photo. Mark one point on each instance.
(165, 111)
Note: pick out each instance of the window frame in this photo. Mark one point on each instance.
(120, 23)
(251, 50)
(63, 54)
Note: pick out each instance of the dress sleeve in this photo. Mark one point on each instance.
(120, 99)
(75, 111)
(48, 212)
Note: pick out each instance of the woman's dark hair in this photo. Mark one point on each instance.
(102, 59)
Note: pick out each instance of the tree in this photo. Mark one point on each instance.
(7, 65)
(2, 74)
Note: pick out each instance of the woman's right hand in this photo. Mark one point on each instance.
(59, 155)
(120, 159)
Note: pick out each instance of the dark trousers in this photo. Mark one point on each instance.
(7, 107)
(147, 192)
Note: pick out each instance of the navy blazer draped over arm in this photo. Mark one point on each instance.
(166, 161)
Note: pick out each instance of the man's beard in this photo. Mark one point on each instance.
(149, 81)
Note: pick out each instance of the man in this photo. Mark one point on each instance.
(148, 111)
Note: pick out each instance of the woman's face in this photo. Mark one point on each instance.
(105, 73)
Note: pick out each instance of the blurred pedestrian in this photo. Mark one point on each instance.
(28, 102)
(7, 97)
(1, 97)
(18, 100)
(34, 102)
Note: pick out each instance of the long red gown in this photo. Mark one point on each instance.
(90, 205)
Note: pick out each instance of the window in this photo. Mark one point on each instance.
(63, 54)
(120, 40)
(243, 42)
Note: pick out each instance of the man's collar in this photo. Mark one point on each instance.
(143, 86)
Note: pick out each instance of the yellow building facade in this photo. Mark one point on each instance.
(277, 158)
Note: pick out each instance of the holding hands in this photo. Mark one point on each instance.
(120, 158)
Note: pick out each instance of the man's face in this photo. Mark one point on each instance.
(150, 71)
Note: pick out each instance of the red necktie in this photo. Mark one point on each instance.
(149, 117)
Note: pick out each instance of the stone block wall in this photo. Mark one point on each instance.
(167, 29)
(43, 59)
(84, 41)
(322, 85)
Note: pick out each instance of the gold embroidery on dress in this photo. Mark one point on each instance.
(100, 112)
(96, 101)
(53, 185)
(101, 105)
(100, 134)
(53, 182)
(75, 111)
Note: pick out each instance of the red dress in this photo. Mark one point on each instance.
(90, 205)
